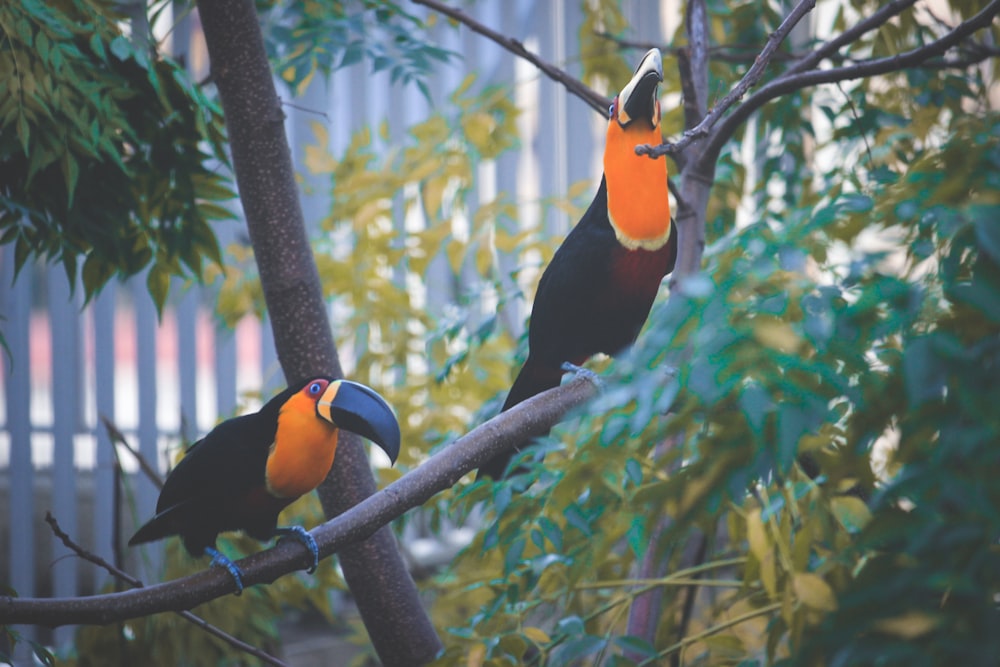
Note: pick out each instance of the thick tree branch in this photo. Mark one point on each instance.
(791, 82)
(696, 21)
(748, 81)
(397, 623)
(571, 83)
(441, 471)
(136, 583)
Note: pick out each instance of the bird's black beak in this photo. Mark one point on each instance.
(357, 408)
(638, 99)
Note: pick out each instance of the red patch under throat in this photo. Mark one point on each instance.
(639, 272)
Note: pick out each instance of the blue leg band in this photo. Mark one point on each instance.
(302, 536)
(221, 560)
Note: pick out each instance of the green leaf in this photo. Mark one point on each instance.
(96, 273)
(577, 648)
(987, 226)
(158, 283)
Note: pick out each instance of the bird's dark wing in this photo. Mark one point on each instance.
(564, 313)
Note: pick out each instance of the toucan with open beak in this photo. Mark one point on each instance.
(248, 469)
(595, 294)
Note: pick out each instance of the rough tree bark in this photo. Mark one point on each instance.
(386, 595)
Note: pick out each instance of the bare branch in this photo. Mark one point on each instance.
(532, 417)
(572, 84)
(116, 436)
(749, 80)
(136, 583)
(791, 82)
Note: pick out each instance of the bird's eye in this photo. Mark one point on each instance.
(315, 388)
(611, 110)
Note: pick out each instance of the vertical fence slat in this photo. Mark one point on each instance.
(65, 342)
(146, 323)
(103, 312)
(21, 547)
(225, 372)
(187, 362)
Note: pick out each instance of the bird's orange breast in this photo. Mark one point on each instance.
(638, 201)
(303, 450)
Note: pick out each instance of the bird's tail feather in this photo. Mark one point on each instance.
(160, 526)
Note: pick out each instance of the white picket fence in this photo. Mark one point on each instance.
(161, 380)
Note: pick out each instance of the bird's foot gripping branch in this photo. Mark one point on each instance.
(584, 373)
(220, 559)
(301, 535)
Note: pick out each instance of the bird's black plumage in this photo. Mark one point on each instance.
(596, 293)
(198, 502)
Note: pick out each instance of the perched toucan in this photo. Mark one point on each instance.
(247, 469)
(596, 293)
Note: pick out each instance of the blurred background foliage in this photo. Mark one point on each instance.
(818, 404)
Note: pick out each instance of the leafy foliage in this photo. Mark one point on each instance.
(817, 404)
(753, 365)
(306, 38)
(108, 155)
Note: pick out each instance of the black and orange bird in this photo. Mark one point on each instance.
(247, 469)
(595, 294)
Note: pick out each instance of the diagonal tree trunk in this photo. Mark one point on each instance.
(399, 627)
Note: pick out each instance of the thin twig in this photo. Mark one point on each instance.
(687, 641)
(137, 583)
(857, 119)
(572, 84)
(748, 81)
(118, 437)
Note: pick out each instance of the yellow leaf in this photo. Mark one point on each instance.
(432, 194)
(761, 549)
(476, 656)
(910, 625)
(776, 334)
(456, 253)
(320, 132)
(814, 592)
(484, 258)
(756, 536)
(479, 129)
(537, 635)
(851, 512)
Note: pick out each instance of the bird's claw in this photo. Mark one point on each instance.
(582, 372)
(302, 536)
(219, 559)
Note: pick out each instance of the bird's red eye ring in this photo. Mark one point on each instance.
(315, 388)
